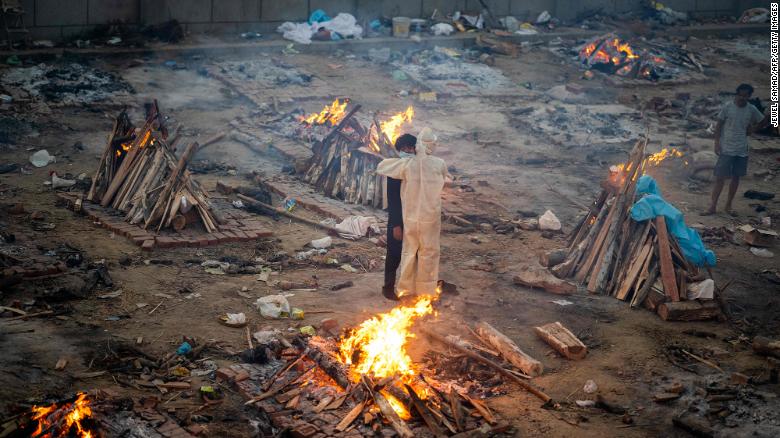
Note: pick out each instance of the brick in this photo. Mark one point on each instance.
(148, 245)
(236, 10)
(225, 374)
(284, 10)
(264, 233)
(60, 12)
(105, 11)
(241, 235)
(241, 376)
(165, 242)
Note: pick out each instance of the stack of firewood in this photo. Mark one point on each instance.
(140, 176)
(344, 162)
(640, 262)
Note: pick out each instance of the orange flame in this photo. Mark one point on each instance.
(618, 172)
(611, 51)
(378, 347)
(74, 413)
(392, 127)
(332, 114)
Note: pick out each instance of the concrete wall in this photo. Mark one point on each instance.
(55, 19)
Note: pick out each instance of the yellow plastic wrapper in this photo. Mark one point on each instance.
(308, 330)
(297, 313)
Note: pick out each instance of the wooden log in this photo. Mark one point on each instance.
(498, 46)
(654, 298)
(634, 270)
(509, 350)
(645, 284)
(503, 371)
(329, 363)
(425, 413)
(457, 410)
(481, 407)
(350, 417)
(766, 346)
(562, 340)
(179, 222)
(158, 211)
(552, 258)
(283, 212)
(537, 277)
(665, 258)
(688, 310)
(401, 428)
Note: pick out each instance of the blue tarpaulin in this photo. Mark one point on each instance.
(651, 204)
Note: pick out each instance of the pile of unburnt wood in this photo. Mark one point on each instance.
(639, 262)
(140, 176)
(344, 162)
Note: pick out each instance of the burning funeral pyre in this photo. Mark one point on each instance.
(70, 418)
(611, 55)
(140, 176)
(640, 262)
(367, 379)
(344, 161)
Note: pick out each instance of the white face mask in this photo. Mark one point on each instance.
(405, 154)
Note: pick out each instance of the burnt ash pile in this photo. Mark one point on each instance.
(65, 84)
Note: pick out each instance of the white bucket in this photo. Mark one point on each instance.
(401, 26)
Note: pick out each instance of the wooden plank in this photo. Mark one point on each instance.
(350, 417)
(562, 340)
(689, 310)
(509, 350)
(665, 258)
(503, 371)
(425, 413)
(634, 270)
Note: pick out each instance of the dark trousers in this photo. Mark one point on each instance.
(392, 259)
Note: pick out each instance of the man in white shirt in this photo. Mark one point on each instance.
(737, 120)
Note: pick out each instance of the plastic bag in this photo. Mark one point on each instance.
(273, 306)
(323, 243)
(652, 205)
(442, 29)
(548, 221)
(42, 158)
(544, 17)
(299, 32)
(318, 16)
(703, 290)
(345, 25)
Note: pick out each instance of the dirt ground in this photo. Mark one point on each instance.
(487, 146)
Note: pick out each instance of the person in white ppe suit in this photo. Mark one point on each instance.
(422, 180)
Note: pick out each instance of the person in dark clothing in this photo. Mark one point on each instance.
(405, 145)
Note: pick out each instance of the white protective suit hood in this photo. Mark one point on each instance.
(422, 180)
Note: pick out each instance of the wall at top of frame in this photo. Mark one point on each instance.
(57, 19)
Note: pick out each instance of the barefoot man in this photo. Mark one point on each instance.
(737, 120)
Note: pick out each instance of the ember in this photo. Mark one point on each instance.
(63, 419)
(614, 56)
